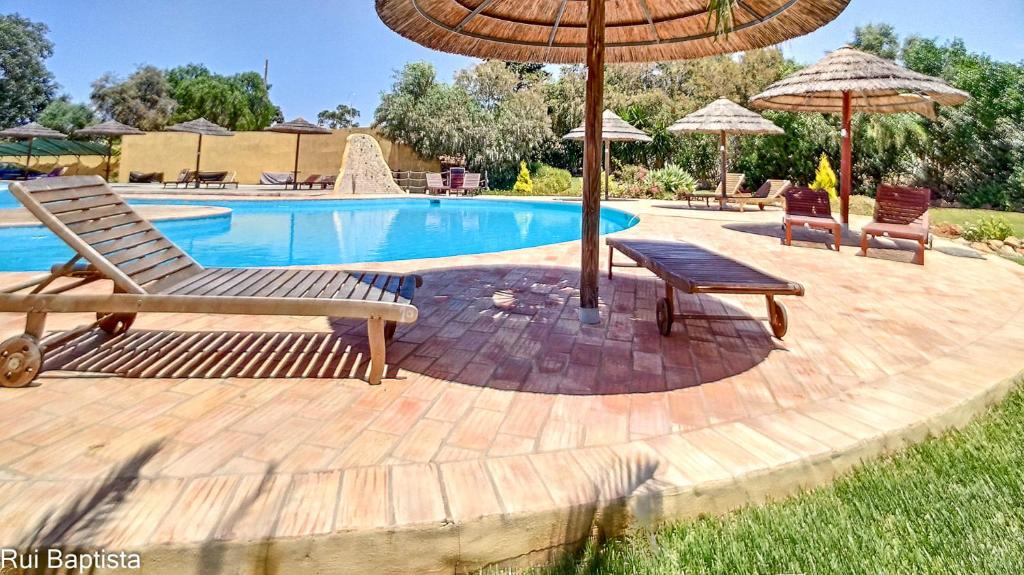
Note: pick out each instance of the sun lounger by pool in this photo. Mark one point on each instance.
(185, 177)
(470, 184)
(733, 184)
(436, 185)
(217, 179)
(900, 213)
(770, 193)
(693, 269)
(151, 274)
(810, 209)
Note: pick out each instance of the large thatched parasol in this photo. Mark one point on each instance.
(298, 126)
(613, 129)
(202, 127)
(564, 31)
(724, 117)
(848, 80)
(109, 130)
(30, 132)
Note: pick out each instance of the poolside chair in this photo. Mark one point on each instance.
(151, 274)
(470, 185)
(145, 177)
(185, 177)
(810, 209)
(327, 182)
(435, 184)
(900, 213)
(218, 179)
(770, 193)
(733, 183)
(312, 180)
(456, 178)
(277, 179)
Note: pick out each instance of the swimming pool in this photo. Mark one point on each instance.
(313, 232)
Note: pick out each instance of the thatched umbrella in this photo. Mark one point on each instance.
(202, 127)
(613, 129)
(109, 130)
(561, 31)
(30, 132)
(298, 126)
(848, 80)
(724, 117)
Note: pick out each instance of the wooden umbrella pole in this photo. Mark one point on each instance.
(199, 154)
(295, 174)
(110, 155)
(846, 170)
(607, 169)
(724, 144)
(592, 163)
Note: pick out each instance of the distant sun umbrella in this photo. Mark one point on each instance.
(613, 129)
(298, 126)
(592, 32)
(202, 127)
(109, 131)
(848, 80)
(722, 118)
(30, 132)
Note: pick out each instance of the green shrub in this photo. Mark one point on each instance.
(549, 181)
(825, 178)
(636, 183)
(988, 228)
(524, 184)
(673, 180)
(577, 186)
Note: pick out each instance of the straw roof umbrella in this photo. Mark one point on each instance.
(725, 117)
(848, 80)
(30, 132)
(109, 130)
(613, 129)
(298, 126)
(560, 31)
(202, 127)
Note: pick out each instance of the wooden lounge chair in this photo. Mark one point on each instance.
(151, 274)
(813, 210)
(733, 184)
(218, 179)
(328, 182)
(185, 177)
(770, 193)
(436, 185)
(900, 213)
(693, 269)
(470, 185)
(312, 180)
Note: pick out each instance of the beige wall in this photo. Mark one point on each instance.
(249, 154)
(83, 166)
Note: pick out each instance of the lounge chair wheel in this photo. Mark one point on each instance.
(779, 320)
(20, 361)
(664, 315)
(115, 323)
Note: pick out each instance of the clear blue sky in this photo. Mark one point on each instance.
(328, 52)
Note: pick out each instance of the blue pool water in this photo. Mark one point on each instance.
(285, 233)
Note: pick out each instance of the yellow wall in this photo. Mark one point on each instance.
(84, 166)
(249, 154)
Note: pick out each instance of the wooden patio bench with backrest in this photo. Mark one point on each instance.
(770, 193)
(900, 213)
(692, 269)
(811, 209)
(151, 274)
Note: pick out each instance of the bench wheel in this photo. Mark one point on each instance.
(390, 328)
(665, 317)
(20, 361)
(779, 319)
(115, 323)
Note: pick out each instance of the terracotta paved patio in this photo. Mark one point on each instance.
(502, 435)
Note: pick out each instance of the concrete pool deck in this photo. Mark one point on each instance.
(502, 438)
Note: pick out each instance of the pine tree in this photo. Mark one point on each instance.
(825, 178)
(524, 185)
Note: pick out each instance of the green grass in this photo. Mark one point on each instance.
(960, 217)
(954, 504)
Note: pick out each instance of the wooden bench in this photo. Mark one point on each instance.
(693, 269)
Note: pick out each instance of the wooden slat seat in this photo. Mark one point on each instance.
(693, 269)
(151, 274)
(900, 213)
(811, 209)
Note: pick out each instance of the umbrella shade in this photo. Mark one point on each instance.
(595, 32)
(613, 129)
(109, 130)
(723, 117)
(299, 127)
(848, 80)
(203, 127)
(30, 132)
(636, 30)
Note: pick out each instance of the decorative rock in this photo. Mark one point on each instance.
(995, 245)
(981, 247)
(1007, 251)
(364, 170)
(1014, 242)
